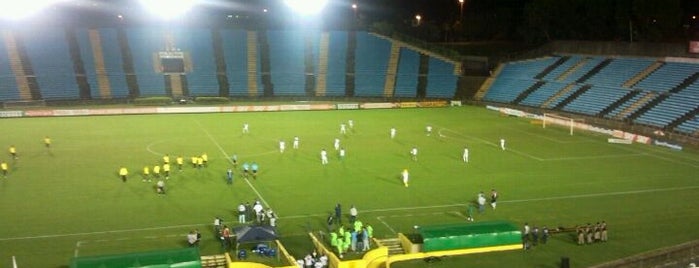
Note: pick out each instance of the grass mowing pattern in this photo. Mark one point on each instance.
(70, 200)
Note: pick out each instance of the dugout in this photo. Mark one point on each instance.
(469, 235)
(180, 258)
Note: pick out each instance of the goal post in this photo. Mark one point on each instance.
(567, 122)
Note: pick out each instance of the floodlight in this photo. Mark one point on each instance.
(168, 9)
(306, 7)
(16, 10)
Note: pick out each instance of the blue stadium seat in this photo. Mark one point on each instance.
(407, 76)
(337, 61)
(47, 50)
(595, 99)
(235, 53)
(287, 55)
(8, 83)
(201, 81)
(371, 64)
(441, 81)
(144, 42)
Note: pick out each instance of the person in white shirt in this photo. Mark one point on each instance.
(465, 155)
(350, 123)
(282, 146)
(343, 129)
(502, 144)
(258, 211)
(296, 142)
(323, 157)
(342, 153)
(405, 177)
(428, 130)
(336, 144)
(241, 213)
(393, 132)
(246, 128)
(413, 153)
(353, 214)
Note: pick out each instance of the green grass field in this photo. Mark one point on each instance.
(69, 201)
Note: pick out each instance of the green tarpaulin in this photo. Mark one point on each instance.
(172, 258)
(469, 235)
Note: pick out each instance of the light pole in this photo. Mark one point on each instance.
(461, 9)
(418, 18)
(354, 9)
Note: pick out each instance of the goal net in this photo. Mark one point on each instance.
(561, 121)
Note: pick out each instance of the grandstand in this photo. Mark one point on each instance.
(651, 92)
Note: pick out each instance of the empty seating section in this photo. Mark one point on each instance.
(588, 64)
(675, 106)
(201, 81)
(8, 83)
(595, 99)
(145, 44)
(408, 70)
(47, 50)
(668, 76)
(538, 97)
(690, 126)
(111, 57)
(371, 64)
(519, 76)
(113, 63)
(507, 89)
(616, 112)
(562, 97)
(235, 53)
(441, 81)
(337, 64)
(88, 57)
(287, 50)
(565, 66)
(619, 71)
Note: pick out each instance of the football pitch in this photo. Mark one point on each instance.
(69, 201)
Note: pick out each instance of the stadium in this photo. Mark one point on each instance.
(322, 134)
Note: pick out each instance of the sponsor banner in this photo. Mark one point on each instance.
(619, 141)
(693, 47)
(618, 134)
(407, 104)
(151, 110)
(433, 104)
(643, 139)
(5, 114)
(348, 106)
(512, 112)
(319, 107)
(668, 145)
(455, 103)
(295, 107)
(182, 110)
(106, 111)
(381, 105)
(38, 113)
(492, 108)
(71, 112)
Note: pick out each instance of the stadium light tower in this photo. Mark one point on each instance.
(461, 9)
(16, 10)
(168, 9)
(306, 7)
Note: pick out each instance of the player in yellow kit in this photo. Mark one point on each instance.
(180, 162)
(166, 170)
(156, 171)
(13, 151)
(4, 167)
(166, 159)
(146, 173)
(123, 172)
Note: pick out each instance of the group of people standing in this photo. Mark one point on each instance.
(589, 233)
(354, 237)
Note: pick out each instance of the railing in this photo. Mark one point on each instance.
(675, 256)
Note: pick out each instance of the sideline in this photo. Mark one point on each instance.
(565, 197)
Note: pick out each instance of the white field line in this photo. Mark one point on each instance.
(231, 161)
(565, 197)
(77, 248)
(380, 219)
(541, 159)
